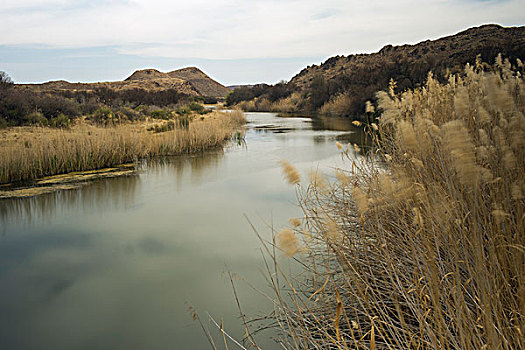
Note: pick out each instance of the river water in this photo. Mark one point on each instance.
(116, 263)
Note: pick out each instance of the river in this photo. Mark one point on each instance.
(116, 263)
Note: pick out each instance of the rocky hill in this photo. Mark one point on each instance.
(187, 81)
(360, 76)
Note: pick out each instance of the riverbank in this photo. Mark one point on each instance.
(28, 153)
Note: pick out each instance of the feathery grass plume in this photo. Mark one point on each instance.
(332, 232)
(483, 137)
(389, 105)
(459, 145)
(288, 242)
(499, 215)
(391, 87)
(356, 123)
(461, 103)
(295, 222)
(290, 173)
(339, 145)
(369, 108)
(484, 117)
(517, 193)
(407, 137)
(509, 159)
(361, 200)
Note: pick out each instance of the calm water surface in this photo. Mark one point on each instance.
(115, 264)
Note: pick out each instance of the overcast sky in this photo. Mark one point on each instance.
(234, 41)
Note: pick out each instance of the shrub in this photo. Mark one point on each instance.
(5, 80)
(104, 116)
(36, 118)
(318, 92)
(60, 121)
(159, 114)
(184, 110)
(130, 114)
(197, 107)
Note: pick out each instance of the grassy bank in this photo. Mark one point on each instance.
(32, 152)
(425, 250)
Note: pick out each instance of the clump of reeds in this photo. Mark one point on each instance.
(430, 248)
(32, 152)
(339, 105)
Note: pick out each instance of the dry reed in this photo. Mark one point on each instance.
(427, 249)
(31, 152)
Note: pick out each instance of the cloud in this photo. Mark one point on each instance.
(242, 28)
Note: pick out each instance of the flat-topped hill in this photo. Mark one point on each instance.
(189, 81)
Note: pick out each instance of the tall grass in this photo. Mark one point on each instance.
(425, 250)
(288, 104)
(31, 152)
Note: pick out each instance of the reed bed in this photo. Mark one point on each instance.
(28, 153)
(425, 249)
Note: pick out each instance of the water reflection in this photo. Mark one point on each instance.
(196, 168)
(109, 194)
(100, 195)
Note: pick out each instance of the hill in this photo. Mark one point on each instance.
(189, 81)
(342, 84)
(197, 79)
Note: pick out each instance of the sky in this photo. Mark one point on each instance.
(233, 41)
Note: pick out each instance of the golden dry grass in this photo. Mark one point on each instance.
(426, 249)
(32, 152)
(339, 105)
(289, 104)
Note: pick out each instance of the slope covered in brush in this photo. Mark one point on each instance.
(360, 76)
